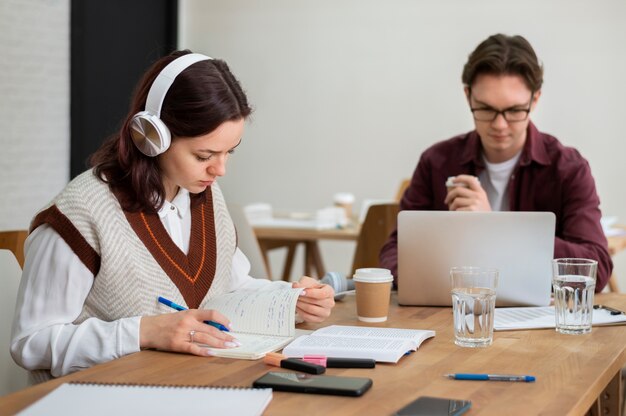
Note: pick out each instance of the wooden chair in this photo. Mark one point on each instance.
(403, 185)
(248, 243)
(379, 222)
(14, 241)
(617, 244)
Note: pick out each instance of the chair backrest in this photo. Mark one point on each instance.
(12, 377)
(379, 222)
(247, 242)
(14, 241)
(403, 185)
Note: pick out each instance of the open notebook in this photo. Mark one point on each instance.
(132, 399)
(263, 321)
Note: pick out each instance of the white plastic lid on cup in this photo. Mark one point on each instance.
(372, 275)
(450, 182)
(343, 198)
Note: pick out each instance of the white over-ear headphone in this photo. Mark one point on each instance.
(149, 133)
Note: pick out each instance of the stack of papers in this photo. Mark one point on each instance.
(507, 319)
(609, 228)
(311, 224)
(261, 216)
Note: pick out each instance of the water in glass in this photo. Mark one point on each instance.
(473, 310)
(573, 303)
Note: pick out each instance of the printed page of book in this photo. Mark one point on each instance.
(417, 336)
(381, 344)
(117, 399)
(506, 319)
(380, 349)
(265, 312)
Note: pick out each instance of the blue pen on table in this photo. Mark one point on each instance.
(492, 377)
(178, 307)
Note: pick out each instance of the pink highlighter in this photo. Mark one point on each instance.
(333, 362)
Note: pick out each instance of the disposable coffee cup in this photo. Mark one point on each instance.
(373, 291)
(450, 184)
(344, 200)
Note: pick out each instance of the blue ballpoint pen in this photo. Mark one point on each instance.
(182, 308)
(493, 377)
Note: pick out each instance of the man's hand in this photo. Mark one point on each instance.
(467, 195)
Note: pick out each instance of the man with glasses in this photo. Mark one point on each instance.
(506, 164)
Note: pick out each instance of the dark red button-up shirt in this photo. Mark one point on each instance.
(548, 177)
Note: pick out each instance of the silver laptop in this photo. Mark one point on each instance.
(519, 244)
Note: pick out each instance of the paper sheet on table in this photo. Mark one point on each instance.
(506, 319)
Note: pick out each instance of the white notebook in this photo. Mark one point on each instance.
(94, 399)
(507, 319)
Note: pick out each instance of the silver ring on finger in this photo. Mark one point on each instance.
(191, 334)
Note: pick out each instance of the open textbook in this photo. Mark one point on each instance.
(381, 344)
(263, 321)
(507, 319)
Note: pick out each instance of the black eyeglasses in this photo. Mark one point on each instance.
(510, 114)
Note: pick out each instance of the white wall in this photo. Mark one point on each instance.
(349, 93)
(34, 106)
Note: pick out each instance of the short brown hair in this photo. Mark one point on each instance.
(504, 55)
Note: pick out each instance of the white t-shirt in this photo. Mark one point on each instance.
(495, 180)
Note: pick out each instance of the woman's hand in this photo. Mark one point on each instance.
(183, 331)
(317, 300)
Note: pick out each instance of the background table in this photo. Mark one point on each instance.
(571, 370)
(272, 238)
(617, 243)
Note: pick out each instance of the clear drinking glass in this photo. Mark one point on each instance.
(573, 283)
(473, 305)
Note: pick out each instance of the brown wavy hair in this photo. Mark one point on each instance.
(504, 55)
(202, 97)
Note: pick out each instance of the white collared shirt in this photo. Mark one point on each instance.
(43, 336)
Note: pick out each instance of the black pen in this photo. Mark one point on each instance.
(613, 311)
(279, 360)
(333, 362)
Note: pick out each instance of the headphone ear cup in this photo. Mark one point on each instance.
(150, 134)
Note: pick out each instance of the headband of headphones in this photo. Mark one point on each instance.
(149, 133)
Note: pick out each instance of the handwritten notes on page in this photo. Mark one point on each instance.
(263, 321)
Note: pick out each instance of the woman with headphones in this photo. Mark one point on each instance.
(148, 220)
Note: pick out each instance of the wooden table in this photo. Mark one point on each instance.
(272, 238)
(571, 370)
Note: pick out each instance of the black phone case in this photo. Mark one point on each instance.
(301, 388)
(434, 406)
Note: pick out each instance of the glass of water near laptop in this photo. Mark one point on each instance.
(473, 304)
(573, 283)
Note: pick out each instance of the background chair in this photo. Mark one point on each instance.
(248, 243)
(403, 185)
(379, 222)
(14, 241)
(12, 377)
